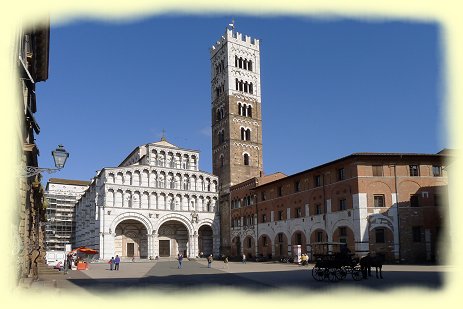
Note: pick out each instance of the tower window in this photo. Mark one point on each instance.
(250, 66)
(246, 159)
(248, 134)
(249, 111)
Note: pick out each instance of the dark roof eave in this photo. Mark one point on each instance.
(357, 154)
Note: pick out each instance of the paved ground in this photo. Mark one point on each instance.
(164, 276)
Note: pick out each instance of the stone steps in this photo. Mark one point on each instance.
(44, 269)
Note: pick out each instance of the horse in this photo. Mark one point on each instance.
(369, 261)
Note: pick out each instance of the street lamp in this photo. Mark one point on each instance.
(60, 156)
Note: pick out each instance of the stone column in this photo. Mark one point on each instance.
(360, 221)
(155, 243)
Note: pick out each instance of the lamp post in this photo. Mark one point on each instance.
(60, 156)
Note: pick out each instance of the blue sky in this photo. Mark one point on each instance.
(330, 87)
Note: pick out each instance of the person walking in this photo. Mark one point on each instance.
(244, 259)
(180, 259)
(117, 260)
(225, 262)
(209, 261)
(111, 263)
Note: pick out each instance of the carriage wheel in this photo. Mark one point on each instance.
(341, 273)
(357, 273)
(318, 273)
(332, 274)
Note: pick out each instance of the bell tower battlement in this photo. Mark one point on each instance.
(237, 38)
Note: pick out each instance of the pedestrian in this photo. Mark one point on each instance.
(180, 259)
(225, 262)
(244, 259)
(111, 263)
(209, 261)
(117, 260)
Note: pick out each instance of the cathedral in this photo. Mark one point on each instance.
(156, 203)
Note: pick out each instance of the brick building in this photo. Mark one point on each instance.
(390, 203)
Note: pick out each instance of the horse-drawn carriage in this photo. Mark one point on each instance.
(334, 262)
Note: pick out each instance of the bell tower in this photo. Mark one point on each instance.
(236, 117)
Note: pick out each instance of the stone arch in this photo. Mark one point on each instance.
(193, 182)
(318, 235)
(383, 246)
(298, 238)
(136, 199)
(281, 244)
(144, 178)
(265, 245)
(118, 198)
(110, 198)
(175, 217)
(119, 178)
(136, 178)
(110, 178)
(249, 246)
(236, 246)
(153, 201)
(127, 199)
(406, 189)
(162, 201)
(128, 178)
(133, 216)
(153, 178)
(193, 164)
(144, 202)
(345, 234)
(205, 239)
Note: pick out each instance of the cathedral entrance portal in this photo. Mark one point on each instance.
(205, 240)
(173, 239)
(164, 248)
(131, 240)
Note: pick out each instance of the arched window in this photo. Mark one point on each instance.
(249, 114)
(239, 109)
(241, 85)
(246, 159)
(243, 110)
(243, 134)
(250, 65)
(246, 87)
(241, 63)
(236, 61)
(251, 90)
(245, 62)
(236, 83)
(248, 134)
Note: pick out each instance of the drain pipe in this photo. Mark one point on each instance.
(397, 214)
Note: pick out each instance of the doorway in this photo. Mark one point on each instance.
(164, 248)
(130, 249)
